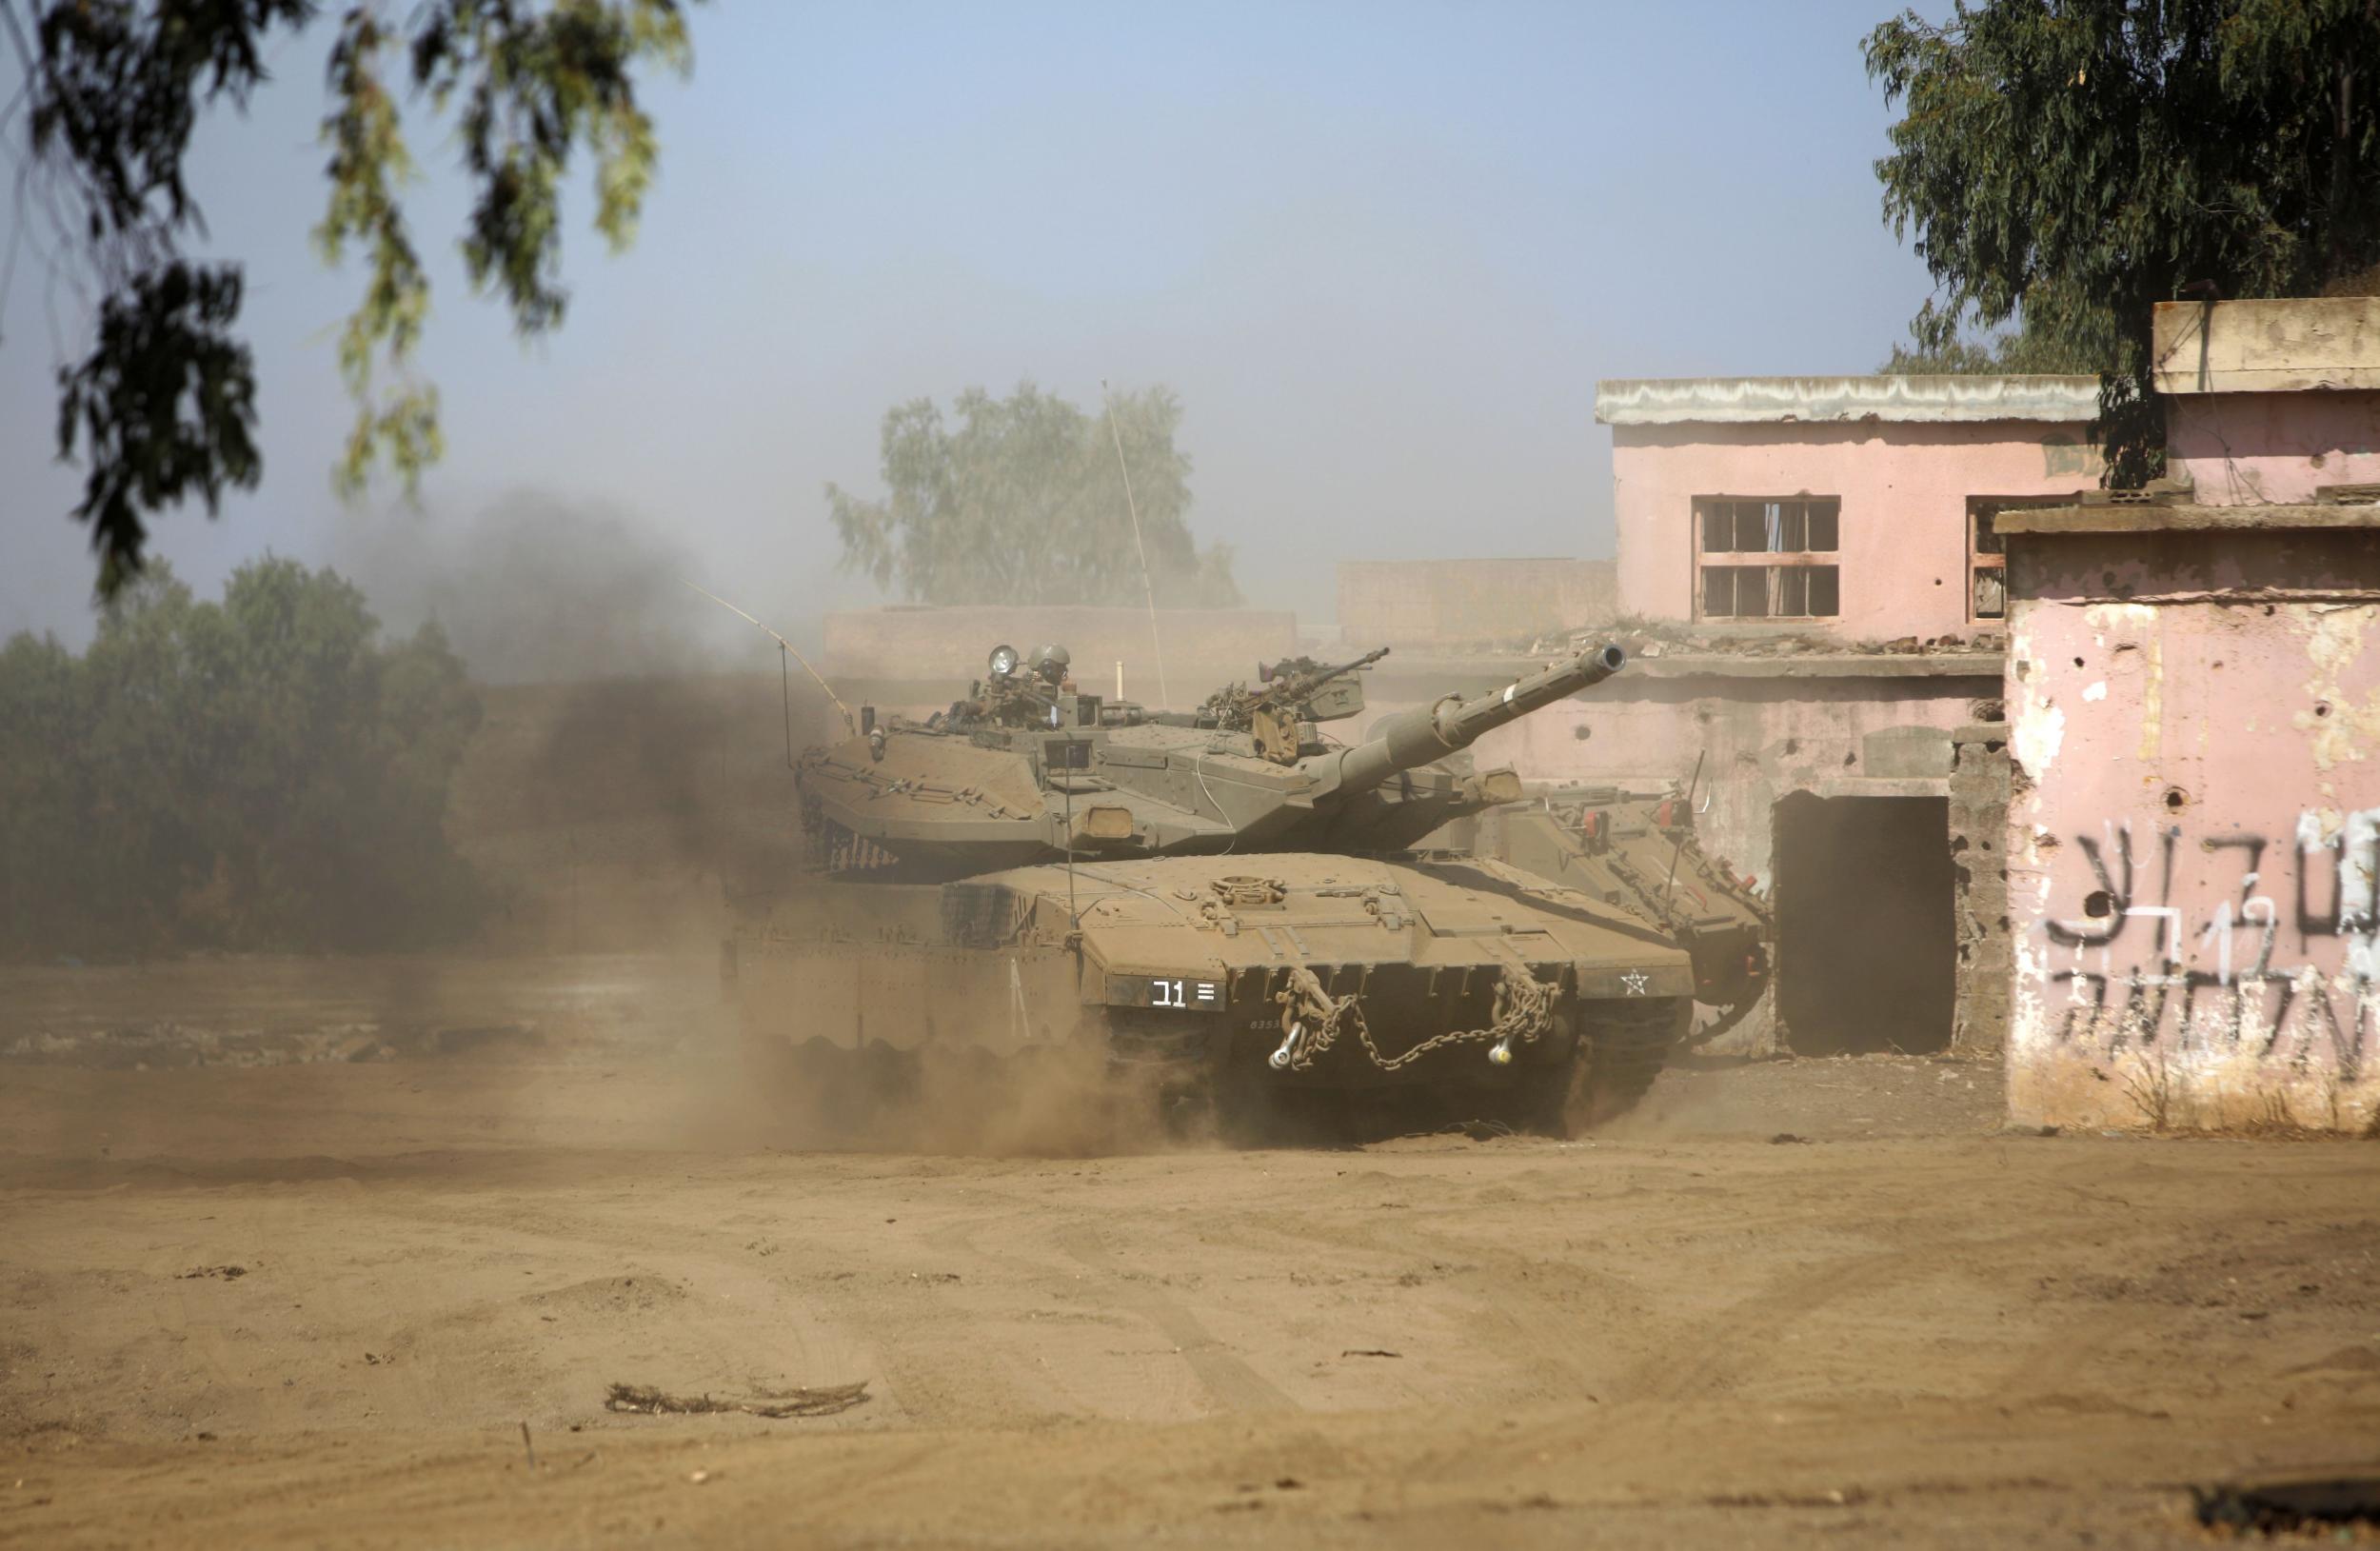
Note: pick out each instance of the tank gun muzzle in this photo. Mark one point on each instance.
(1418, 737)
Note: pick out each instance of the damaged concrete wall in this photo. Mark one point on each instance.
(2267, 402)
(2256, 449)
(1451, 602)
(1980, 793)
(2196, 824)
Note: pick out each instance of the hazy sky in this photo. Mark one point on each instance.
(1381, 252)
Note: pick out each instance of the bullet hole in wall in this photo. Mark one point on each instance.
(2176, 798)
(2098, 905)
(2322, 707)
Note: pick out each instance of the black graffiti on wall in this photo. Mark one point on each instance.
(2156, 980)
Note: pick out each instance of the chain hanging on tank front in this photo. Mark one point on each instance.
(1523, 1010)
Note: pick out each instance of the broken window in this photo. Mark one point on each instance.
(1987, 553)
(1768, 557)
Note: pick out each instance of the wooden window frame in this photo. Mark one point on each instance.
(1739, 560)
(1980, 510)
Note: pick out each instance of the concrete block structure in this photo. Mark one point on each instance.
(2270, 403)
(1789, 529)
(2193, 689)
(1854, 506)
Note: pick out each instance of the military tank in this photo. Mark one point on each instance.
(1220, 900)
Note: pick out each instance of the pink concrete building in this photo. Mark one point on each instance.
(1855, 506)
(2270, 403)
(2194, 697)
(1825, 516)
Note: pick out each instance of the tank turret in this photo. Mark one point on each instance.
(1026, 770)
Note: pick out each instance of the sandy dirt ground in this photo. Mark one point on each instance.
(294, 1251)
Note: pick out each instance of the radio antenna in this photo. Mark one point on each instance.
(850, 723)
(1677, 848)
(1074, 917)
(1147, 589)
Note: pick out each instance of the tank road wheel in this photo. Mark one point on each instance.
(1544, 1107)
(1623, 1047)
(828, 1091)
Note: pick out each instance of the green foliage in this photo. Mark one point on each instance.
(2083, 160)
(162, 406)
(261, 772)
(1024, 503)
(165, 405)
(2018, 352)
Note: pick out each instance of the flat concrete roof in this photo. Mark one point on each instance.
(2310, 344)
(2148, 518)
(1738, 401)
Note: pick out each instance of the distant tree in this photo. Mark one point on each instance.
(1024, 503)
(2085, 159)
(2018, 352)
(261, 772)
(163, 405)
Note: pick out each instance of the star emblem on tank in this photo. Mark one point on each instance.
(1637, 982)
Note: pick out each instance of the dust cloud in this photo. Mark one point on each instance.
(632, 756)
(537, 589)
(1059, 1103)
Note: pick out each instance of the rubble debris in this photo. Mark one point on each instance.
(1660, 638)
(228, 1273)
(826, 1400)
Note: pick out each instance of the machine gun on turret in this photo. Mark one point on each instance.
(1288, 694)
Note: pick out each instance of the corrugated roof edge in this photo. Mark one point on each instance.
(1679, 401)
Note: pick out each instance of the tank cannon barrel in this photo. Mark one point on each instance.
(1418, 737)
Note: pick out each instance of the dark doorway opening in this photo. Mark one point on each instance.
(1867, 955)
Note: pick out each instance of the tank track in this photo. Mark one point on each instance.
(1624, 1046)
(835, 1093)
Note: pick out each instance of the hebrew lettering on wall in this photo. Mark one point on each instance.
(2229, 941)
